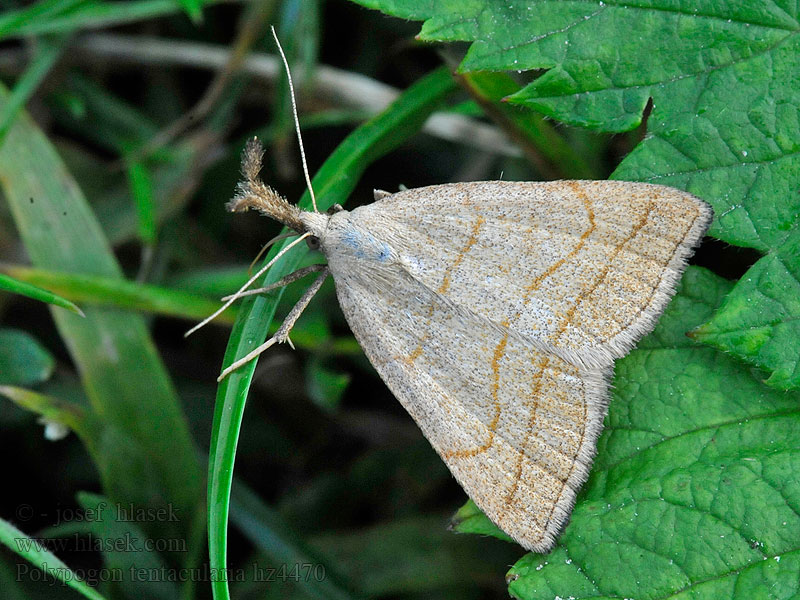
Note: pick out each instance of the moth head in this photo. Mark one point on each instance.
(314, 223)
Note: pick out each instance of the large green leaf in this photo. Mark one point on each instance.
(760, 319)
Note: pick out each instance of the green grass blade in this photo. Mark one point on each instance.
(89, 15)
(109, 526)
(122, 374)
(38, 12)
(168, 301)
(55, 410)
(333, 183)
(121, 293)
(9, 284)
(270, 534)
(142, 190)
(28, 549)
(193, 9)
(47, 52)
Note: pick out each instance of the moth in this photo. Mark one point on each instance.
(494, 312)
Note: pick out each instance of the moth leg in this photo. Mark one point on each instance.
(290, 278)
(249, 282)
(282, 335)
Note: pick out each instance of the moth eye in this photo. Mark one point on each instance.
(313, 242)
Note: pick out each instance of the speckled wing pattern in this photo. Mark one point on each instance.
(497, 324)
(583, 266)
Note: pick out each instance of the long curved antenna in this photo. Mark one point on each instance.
(250, 281)
(296, 120)
(266, 246)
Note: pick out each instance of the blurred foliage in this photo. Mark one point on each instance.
(121, 125)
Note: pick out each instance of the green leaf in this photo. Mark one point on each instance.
(121, 293)
(721, 75)
(16, 286)
(760, 321)
(193, 8)
(121, 372)
(470, 519)
(142, 190)
(325, 386)
(23, 360)
(56, 411)
(215, 281)
(73, 15)
(692, 491)
(37, 12)
(27, 548)
(722, 78)
(47, 53)
(332, 184)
